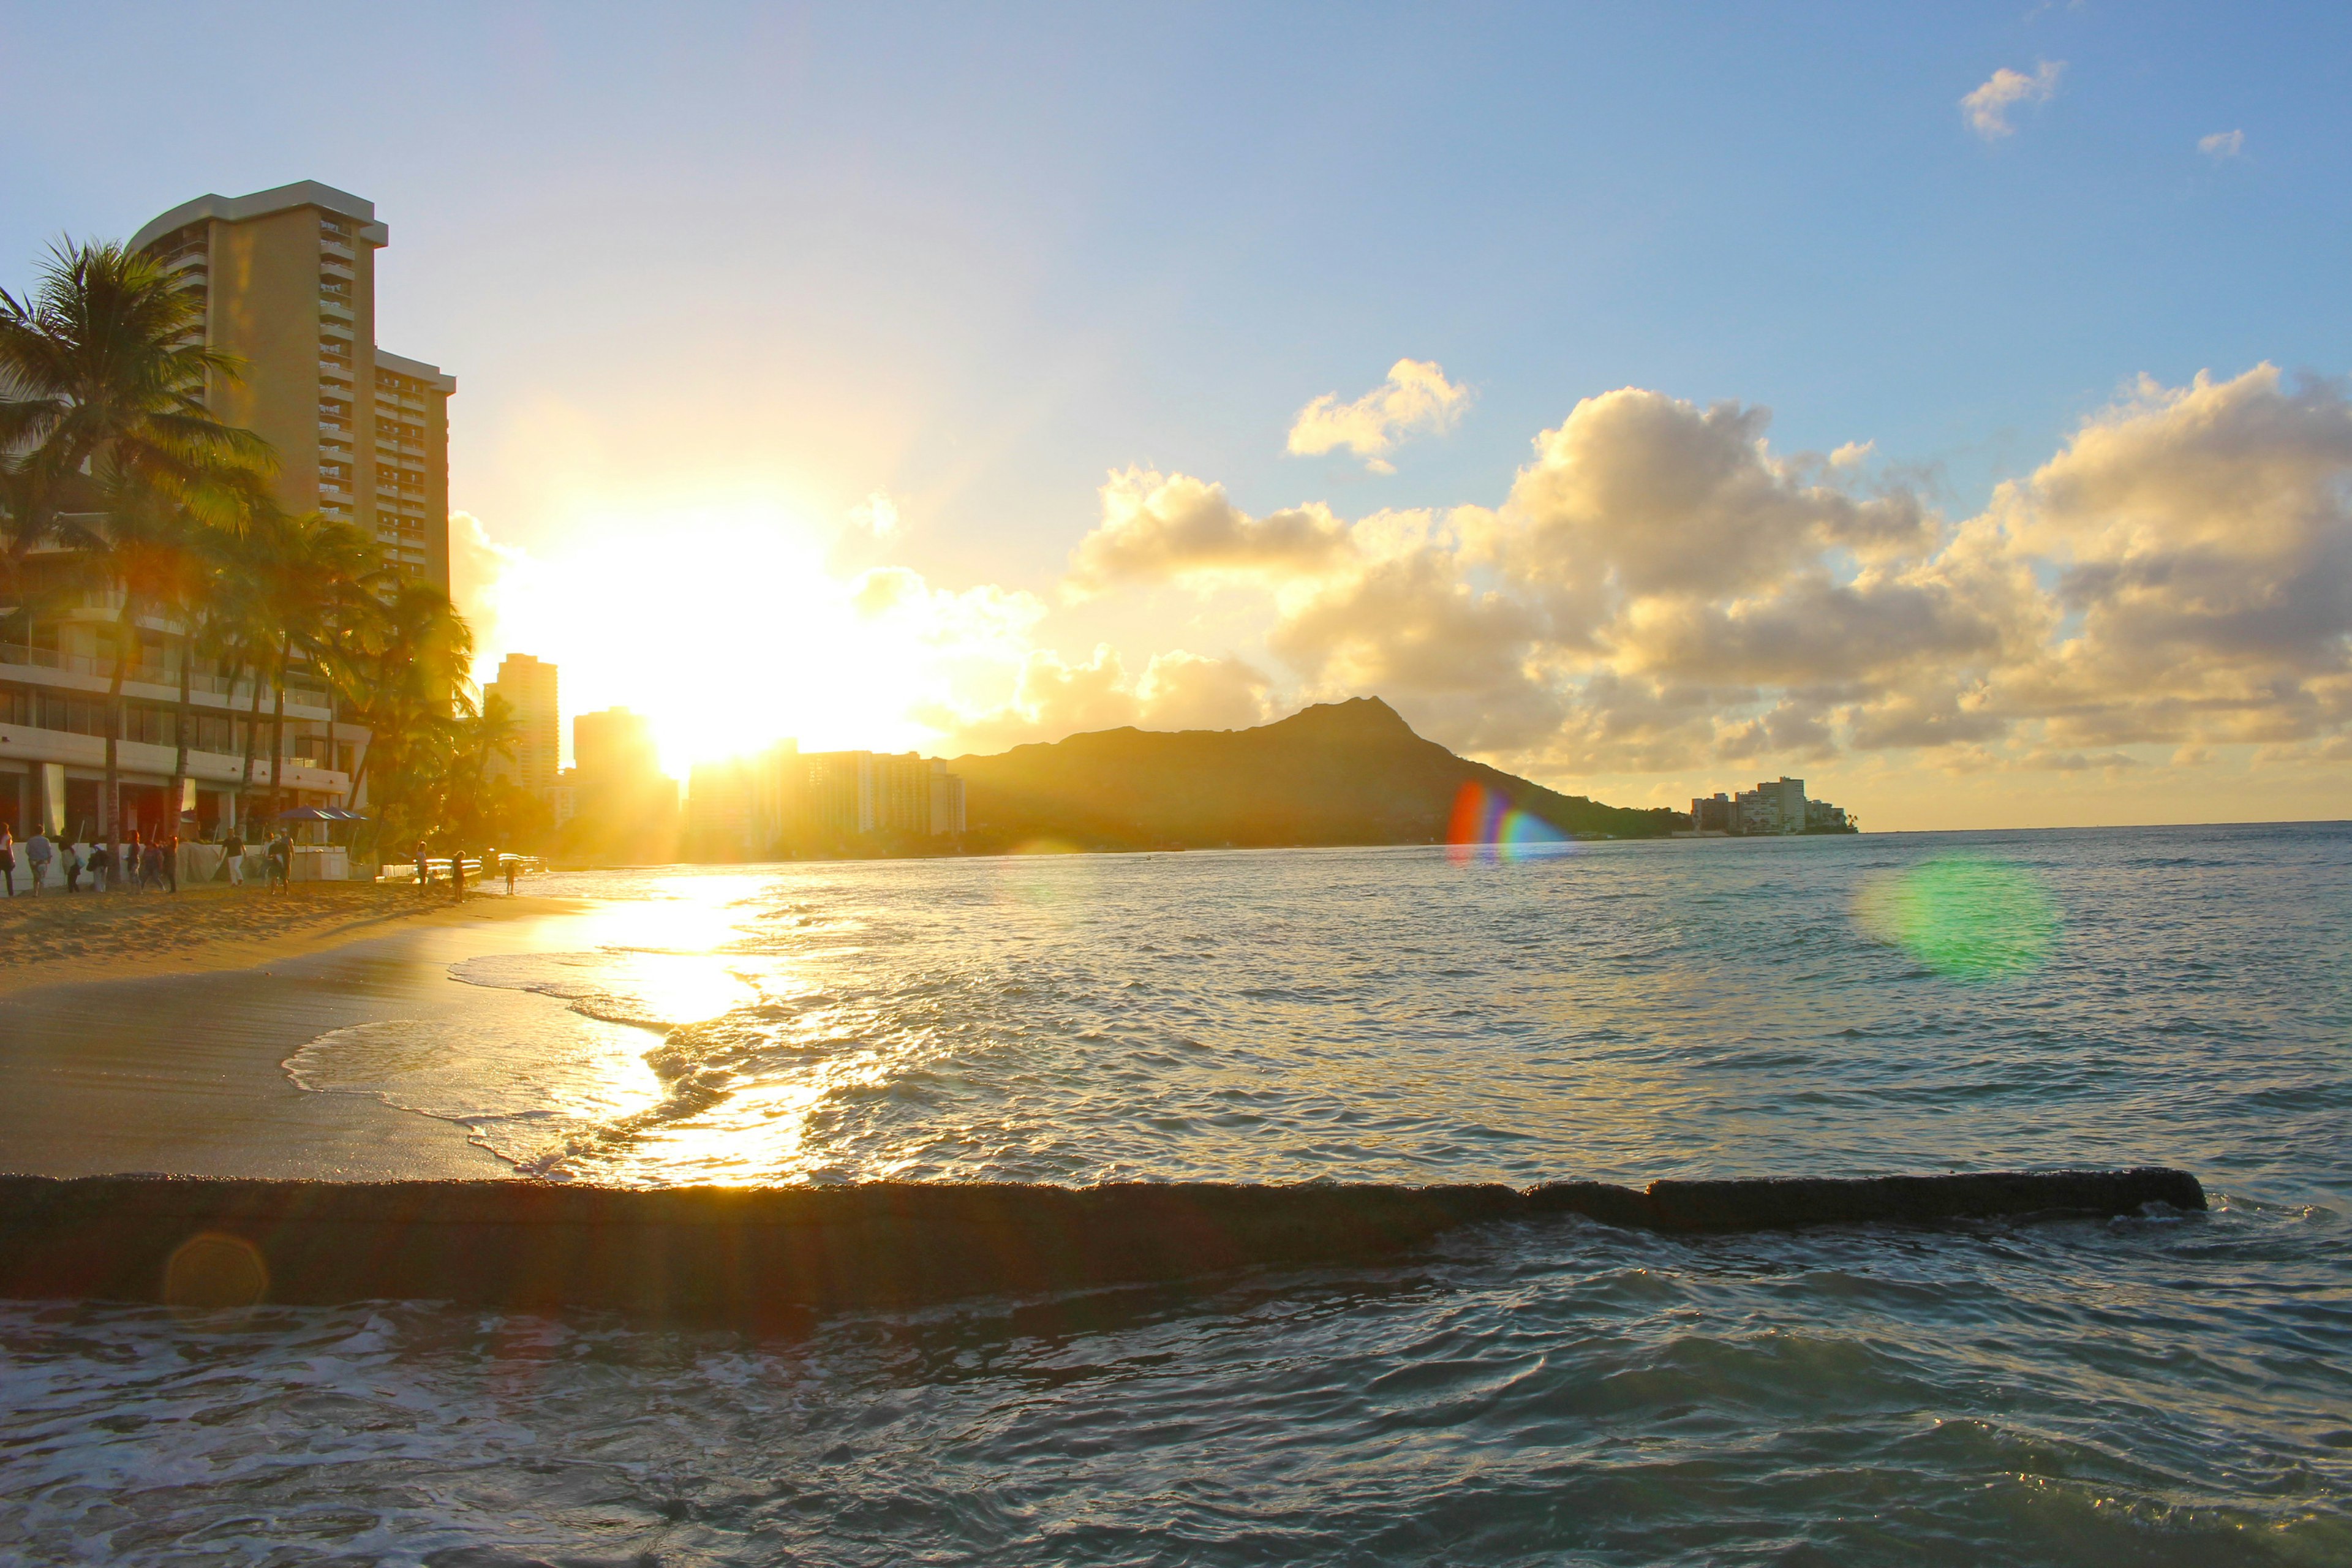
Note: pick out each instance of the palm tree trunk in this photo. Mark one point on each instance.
(252, 723)
(180, 729)
(278, 728)
(125, 630)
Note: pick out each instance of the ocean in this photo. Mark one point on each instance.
(2159, 1389)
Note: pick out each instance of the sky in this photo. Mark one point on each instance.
(1943, 404)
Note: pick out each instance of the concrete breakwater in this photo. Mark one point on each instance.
(769, 1254)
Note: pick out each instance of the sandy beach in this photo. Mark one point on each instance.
(147, 1033)
(60, 938)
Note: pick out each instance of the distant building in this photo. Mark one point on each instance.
(288, 280)
(613, 746)
(1774, 806)
(858, 794)
(1714, 815)
(622, 806)
(528, 684)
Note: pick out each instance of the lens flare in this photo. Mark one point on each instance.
(1486, 825)
(1965, 916)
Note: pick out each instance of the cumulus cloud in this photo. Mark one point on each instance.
(1415, 397)
(1157, 526)
(1986, 109)
(1054, 697)
(2204, 541)
(2222, 145)
(1661, 590)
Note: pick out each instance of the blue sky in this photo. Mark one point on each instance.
(716, 257)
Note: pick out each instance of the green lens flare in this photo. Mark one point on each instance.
(1967, 918)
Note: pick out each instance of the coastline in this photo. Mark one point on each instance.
(171, 1059)
(60, 939)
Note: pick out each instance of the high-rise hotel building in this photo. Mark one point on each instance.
(288, 281)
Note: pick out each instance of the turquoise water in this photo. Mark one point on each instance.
(2152, 1390)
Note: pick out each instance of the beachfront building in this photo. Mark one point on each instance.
(288, 277)
(1775, 806)
(529, 687)
(54, 671)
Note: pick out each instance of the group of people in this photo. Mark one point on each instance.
(146, 863)
(492, 863)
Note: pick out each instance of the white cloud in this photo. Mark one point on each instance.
(877, 514)
(1415, 397)
(1054, 697)
(1160, 526)
(2222, 145)
(1663, 591)
(1986, 108)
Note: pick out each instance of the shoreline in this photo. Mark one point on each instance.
(174, 1062)
(67, 939)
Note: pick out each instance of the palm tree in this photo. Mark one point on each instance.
(106, 358)
(406, 683)
(102, 377)
(308, 575)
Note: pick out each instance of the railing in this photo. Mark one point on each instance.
(102, 667)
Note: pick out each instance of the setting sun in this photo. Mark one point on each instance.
(728, 626)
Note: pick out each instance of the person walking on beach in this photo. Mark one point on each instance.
(232, 856)
(38, 856)
(8, 858)
(457, 871)
(133, 851)
(101, 861)
(72, 868)
(167, 845)
(281, 863)
(423, 872)
(151, 863)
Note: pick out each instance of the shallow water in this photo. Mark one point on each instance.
(2155, 1390)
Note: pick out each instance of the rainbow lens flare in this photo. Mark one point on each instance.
(1964, 917)
(1486, 825)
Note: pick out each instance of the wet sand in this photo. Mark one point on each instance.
(112, 1063)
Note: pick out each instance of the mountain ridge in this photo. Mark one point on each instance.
(1350, 773)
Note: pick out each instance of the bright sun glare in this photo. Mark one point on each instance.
(725, 625)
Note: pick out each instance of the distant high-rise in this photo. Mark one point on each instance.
(528, 684)
(288, 281)
(615, 744)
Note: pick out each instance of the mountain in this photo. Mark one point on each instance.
(1341, 773)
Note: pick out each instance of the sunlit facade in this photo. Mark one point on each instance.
(54, 671)
(288, 277)
(529, 687)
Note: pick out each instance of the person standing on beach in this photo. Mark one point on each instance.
(151, 863)
(37, 855)
(73, 869)
(232, 856)
(457, 871)
(423, 872)
(133, 851)
(8, 858)
(281, 863)
(511, 863)
(168, 844)
(100, 863)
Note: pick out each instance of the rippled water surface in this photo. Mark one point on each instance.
(2155, 1390)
